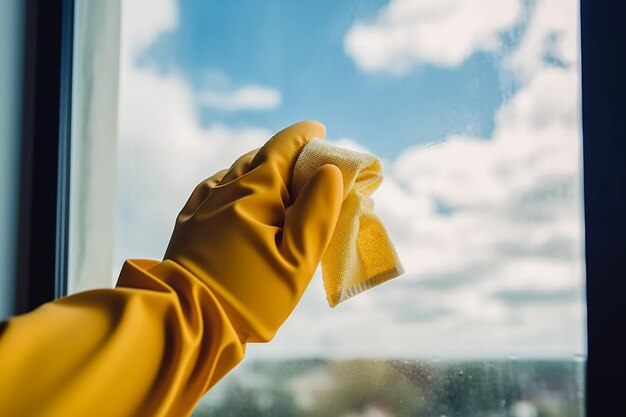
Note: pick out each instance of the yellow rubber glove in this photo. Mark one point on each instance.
(152, 348)
(236, 234)
(235, 268)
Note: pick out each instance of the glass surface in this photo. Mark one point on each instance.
(385, 388)
(473, 107)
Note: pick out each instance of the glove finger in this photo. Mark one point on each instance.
(310, 221)
(240, 167)
(278, 155)
(200, 193)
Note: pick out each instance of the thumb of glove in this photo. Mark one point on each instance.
(310, 221)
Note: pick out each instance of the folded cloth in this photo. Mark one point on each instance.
(360, 254)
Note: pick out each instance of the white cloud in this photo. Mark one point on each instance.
(512, 225)
(249, 97)
(442, 32)
(143, 22)
(552, 32)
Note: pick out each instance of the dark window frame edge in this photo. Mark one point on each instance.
(45, 159)
(603, 75)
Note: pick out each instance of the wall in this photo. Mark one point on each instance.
(11, 35)
(94, 143)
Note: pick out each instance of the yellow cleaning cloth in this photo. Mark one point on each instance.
(360, 254)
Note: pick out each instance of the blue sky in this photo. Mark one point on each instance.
(297, 48)
(487, 222)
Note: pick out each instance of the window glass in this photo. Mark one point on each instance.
(473, 107)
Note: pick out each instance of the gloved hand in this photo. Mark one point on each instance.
(256, 249)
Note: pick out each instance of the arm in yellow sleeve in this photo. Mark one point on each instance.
(240, 257)
(150, 347)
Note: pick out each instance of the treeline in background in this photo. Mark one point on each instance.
(366, 388)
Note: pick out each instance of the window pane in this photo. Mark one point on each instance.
(473, 107)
